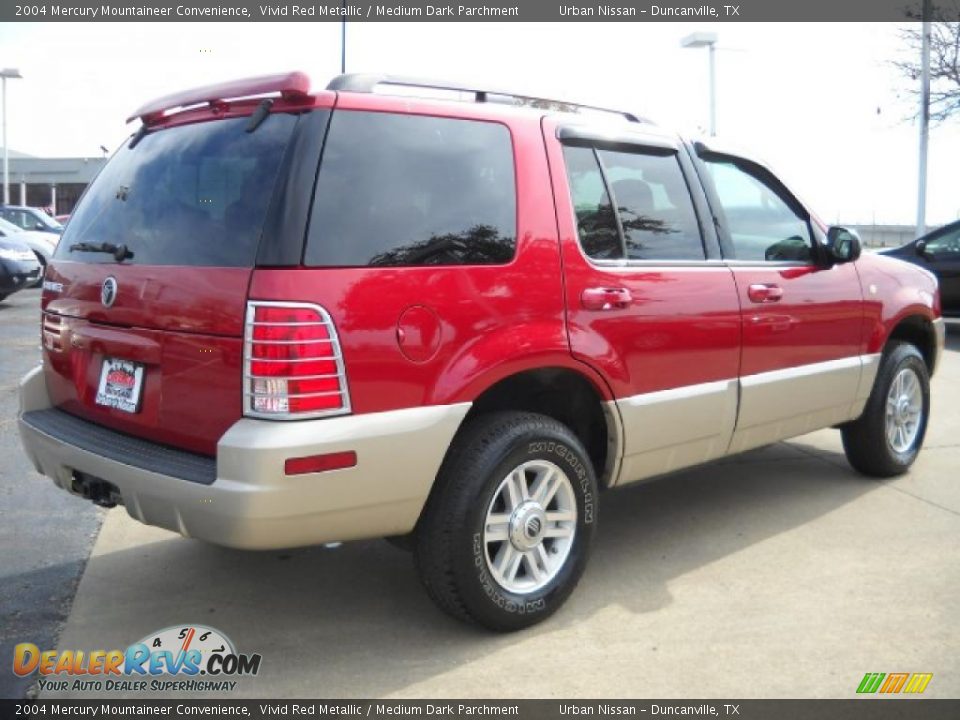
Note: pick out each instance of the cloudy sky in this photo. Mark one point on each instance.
(820, 102)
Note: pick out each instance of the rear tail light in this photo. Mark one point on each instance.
(293, 367)
(51, 332)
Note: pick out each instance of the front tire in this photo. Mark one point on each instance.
(506, 533)
(887, 438)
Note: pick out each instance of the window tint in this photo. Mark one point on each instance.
(654, 207)
(761, 221)
(413, 190)
(191, 195)
(596, 223)
(654, 204)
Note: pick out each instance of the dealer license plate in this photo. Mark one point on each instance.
(121, 382)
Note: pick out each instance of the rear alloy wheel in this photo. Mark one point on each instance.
(887, 438)
(506, 533)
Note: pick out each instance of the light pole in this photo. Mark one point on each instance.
(11, 73)
(924, 121)
(343, 38)
(709, 41)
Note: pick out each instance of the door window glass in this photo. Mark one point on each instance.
(596, 222)
(762, 223)
(654, 204)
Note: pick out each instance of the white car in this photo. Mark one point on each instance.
(42, 243)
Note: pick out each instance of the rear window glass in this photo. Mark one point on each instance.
(191, 195)
(413, 190)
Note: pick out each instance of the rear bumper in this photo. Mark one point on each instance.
(251, 503)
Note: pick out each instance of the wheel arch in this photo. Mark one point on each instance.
(569, 394)
(917, 329)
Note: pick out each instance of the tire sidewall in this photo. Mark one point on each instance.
(905, 357)
(483, 595)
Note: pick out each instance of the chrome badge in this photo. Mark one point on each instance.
(108, 291)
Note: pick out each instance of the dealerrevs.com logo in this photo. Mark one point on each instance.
(187, 658)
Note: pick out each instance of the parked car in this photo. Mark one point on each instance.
(939, 252)
(19, 268)
(453, 323)
(29, 218)
(41, 243)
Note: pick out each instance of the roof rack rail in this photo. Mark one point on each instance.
(367, 82)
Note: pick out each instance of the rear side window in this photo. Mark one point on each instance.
(654, 219)
(191, 195)
(399, 190)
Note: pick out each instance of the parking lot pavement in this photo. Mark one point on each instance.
(45, 535)
(778, 573)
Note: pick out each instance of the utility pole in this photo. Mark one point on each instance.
(924, 121)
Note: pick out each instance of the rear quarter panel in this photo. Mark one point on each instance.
(492, 321)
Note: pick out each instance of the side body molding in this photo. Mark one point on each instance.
(673, 429)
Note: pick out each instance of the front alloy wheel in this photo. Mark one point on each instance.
(886, 439)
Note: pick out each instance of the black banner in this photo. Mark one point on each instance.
(473, 10)
(861, 709)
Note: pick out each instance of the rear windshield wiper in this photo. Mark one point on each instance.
(120, 252)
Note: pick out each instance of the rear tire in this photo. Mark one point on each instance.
(506, 533)
(3, 296)
(887, 438)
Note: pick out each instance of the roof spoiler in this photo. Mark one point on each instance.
(290, 86)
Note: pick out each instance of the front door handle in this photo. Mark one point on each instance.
(765, 293)
(605, 298)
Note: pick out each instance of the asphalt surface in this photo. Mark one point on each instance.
(45, 534)
(779, 573)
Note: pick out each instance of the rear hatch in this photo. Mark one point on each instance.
(144, 301)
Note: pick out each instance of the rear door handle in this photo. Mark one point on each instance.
(604, 298)
(765, 293)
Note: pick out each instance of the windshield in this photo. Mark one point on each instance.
(191, 195)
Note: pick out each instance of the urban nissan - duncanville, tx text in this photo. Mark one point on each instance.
(281, 317)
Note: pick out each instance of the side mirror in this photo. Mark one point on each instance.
(921, 248)
(843, 244)
(39, 226)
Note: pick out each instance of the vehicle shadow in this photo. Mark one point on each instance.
(354, 622)
(953, 336)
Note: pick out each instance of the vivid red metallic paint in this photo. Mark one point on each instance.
(682, 326)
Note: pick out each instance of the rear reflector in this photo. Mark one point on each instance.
(293, 366)
(320, 463)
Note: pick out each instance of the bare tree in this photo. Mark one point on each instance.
(944, 59)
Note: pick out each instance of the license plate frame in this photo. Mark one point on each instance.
(121, 385)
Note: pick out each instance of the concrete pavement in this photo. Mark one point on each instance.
(780, 573)
(45, 534)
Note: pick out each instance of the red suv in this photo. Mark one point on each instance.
(280, 318)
